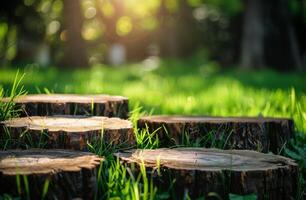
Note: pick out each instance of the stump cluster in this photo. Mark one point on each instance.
(62, 127)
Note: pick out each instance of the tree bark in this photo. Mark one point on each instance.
(198, 172)
(70, 174)
(75, 50)
(252, 51)
(261, 134)
(70, 104)
(281, 48)
(269, 38)
(66, 132)
(167, 32)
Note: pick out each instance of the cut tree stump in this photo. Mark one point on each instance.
(67, 132)
(71, 104)
(70, 174)
(260, 134)
(200, 171)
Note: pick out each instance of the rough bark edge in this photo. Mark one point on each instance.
(63, 184)
(273, 183)
(268, 134)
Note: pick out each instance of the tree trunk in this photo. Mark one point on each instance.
(252, 51)
(70, 174)
(75, 50)
(198, 172)
(167, 32)
(269, 37)
(70, 104)
(261, 134)
(66, 132)
(281, 48)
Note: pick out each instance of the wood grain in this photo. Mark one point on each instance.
(67, 132)
(71, 174)
(200, 171)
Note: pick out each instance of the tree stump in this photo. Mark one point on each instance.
(71, 104)
(67, 132)
(260, 134)
(68, 174)
(200, 171)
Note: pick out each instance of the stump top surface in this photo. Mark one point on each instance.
(206, 159)
(65, 98)
(68, 123)
(41, 161)
(206, 119)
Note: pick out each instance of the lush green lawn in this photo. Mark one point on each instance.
(190, 87)
(180, 87)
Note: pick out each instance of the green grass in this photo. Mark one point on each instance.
(179, 87)
(190, 87)
(7, 109)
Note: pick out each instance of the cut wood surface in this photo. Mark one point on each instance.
(68, 132)
(72, 104)
(71, 174)
(200, 171)
(254, 133)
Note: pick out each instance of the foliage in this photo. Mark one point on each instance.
(246, 197)
(7, 109)
(191, 86)
(144, 139)
(296, 149)
(117, 181)
(174, 89)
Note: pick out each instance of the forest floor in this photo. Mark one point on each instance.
(179, 87)
(189, 87)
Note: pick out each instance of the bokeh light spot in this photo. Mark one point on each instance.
(28, 2)
(124, 26)
(107, 8)
(92, 30)
(90, 12)
(53, 27)
(63, 35)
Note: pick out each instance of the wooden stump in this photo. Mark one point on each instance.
(260, 134)
(71, 104)
(199, 171)
(70, 174)
(67, 132)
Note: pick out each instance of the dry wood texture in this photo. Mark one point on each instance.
(67, 132)
(70, 104)
(261, 134)
(200, 171)
(70, 174)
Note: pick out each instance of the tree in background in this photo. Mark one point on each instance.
(281, 46)
(252, 48)
(257, 33)
(269, 38)
(75, 51)
(22, 30)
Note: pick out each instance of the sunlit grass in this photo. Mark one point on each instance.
(176, 87)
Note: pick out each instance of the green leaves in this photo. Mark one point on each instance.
(8, 109)
(296, 149)
(240, 197)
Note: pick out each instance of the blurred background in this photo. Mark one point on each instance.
(185, 57)
(251, 34)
